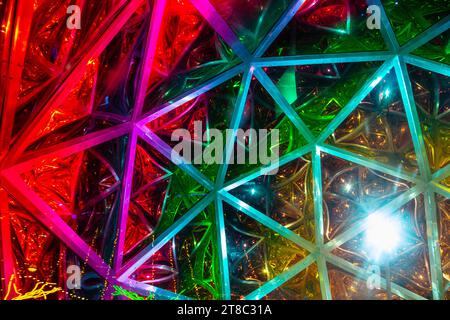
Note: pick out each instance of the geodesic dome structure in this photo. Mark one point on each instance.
(87, 178)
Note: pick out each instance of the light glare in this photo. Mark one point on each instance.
(383, 235)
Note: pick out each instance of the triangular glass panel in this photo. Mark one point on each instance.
(328, 26)
(346, 286)
(263, 126)
(411, 18)
(318, 92)
(431, 94)
(103, 97)
(445, 183)
(351, 192)
(43, 264)
(303, 286)
(443, 210)
(188, 53)
(84, 190)
(189, 263)
(408, 262)
(256, 254)
(158, 204)
(378, 128)
(437, 49)
(36, 258)
(206, 119)
(286, 196)
(53, 49)
(251, 21)
(150, 184)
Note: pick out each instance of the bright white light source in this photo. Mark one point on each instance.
(383, 235)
